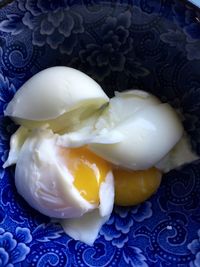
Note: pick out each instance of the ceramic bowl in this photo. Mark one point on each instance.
(151, 45)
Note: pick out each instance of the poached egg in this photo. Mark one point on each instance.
(77, 151)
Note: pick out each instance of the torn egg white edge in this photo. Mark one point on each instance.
(87, 133)
(16, 142)
(35, 154)
(132, 129)
(106, 192)
(181, 154)
(124, 105)
(87, 227)
(77, 139)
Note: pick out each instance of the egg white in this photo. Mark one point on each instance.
(16, 142)
(122, 106)
(135, 131)
(148, 132)
(87, 227)
(182, 153)
(57, 96)
(44, 181)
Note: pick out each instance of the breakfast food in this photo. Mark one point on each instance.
(133, 187)
(151, 127)
(51, 178)
(76, 151)
(54, 97)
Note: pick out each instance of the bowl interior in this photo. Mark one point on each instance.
(150, 45)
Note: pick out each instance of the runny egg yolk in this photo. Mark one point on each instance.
(88, 171)
(134, 187)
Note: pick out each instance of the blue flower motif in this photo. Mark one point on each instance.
(13, 248)
(178, 38)
(7, 90)
(121, 221)
(175, 38)
(194, 247)
(134, 256)
(51, 22)
(110, 50)
(46, 232)
(142, 212)
(22, 235)
(187, 33)
(6, 129)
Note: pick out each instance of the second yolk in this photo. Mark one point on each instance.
(134, 187)
(88, 170)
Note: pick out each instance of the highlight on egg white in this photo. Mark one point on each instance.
(57, 96)
(133, 130)
(149, 131)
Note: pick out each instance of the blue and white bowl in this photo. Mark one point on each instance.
(151, 45)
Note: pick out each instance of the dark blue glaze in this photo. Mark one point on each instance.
(151, 45)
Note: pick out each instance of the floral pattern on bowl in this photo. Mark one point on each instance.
(152, 45)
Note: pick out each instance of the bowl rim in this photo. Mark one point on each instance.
(192, 3)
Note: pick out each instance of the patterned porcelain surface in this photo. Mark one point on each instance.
(152, 45)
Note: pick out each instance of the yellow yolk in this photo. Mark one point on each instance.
(134, 187)
(88, 170)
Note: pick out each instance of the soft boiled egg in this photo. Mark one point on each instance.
(71, 142)
(65, 183)
(148, 131)
(58, 97)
